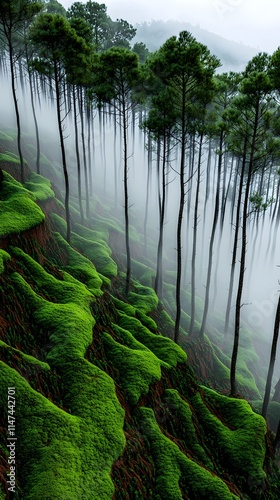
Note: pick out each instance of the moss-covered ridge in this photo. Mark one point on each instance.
(88, 395)
(18, 210)
(75, 434)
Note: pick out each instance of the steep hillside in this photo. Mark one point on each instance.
(106, 404)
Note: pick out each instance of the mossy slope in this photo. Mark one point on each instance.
(74, 432)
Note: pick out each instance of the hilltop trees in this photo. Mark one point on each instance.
(106, 33)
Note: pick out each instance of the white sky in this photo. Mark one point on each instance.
(253, 22)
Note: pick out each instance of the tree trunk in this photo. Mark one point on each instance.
(212, 238)
(272, 361)
(78, 156)
(63, 154)
(243, 258)
(179, 223)
(195, 224)
(126, 205)
(13, 79)
(235, 242)
(81, 107)
(159, 272)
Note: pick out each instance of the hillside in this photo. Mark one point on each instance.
(233, 55)
(107, 405)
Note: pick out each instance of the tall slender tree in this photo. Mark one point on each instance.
(116, 76)
(13, 16)
(56, 42)
(184, 65)
(255, 91)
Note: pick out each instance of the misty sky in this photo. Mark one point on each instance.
(253, 22)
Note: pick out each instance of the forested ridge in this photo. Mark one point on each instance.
(139, 229)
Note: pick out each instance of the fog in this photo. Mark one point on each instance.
(262, 260)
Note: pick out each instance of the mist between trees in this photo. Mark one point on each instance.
(186, 156)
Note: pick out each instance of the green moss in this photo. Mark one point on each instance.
(56, 448)
(98, 252)
(61, 455)
(239, 435)
(137, 368)
(9, 157)
(164, 348)
(175, 471)
(146, 320)
(92, 234)
(143, 298)
(142, 273)
(69, 290)
(40, 187)
(18, 210)
(180, 409)
(25, 357)
(4, 257)
(80, 267)
(5, 137)
(124, 307)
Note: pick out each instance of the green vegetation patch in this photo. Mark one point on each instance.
(163, 347)
(80, 267)
(175, 471)
(40, 187)
(5, 137)
(66, 291)
(143, 298)
(124, 307)
(9, 157)
(18, 210)
(142, 273)
(75, 457)
(238, 436)
(137, 367)
(4, 257)
(25, 357)
(180, 409)
(98, 252)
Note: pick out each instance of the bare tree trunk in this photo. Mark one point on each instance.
(179, 224)
(159, 271)
(272, 361)
(126, 204)
(81, 108)
(235, 243)
(78, 156)
(13, 79)
(63, 154)
(212, 238)
(195, 224)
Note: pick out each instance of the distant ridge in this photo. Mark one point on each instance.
(233, 55)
